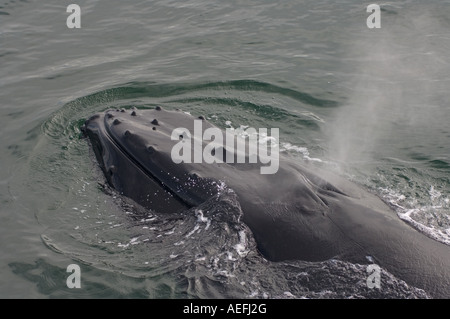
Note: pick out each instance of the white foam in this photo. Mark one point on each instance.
(230, 256)
(264, 139)
(299, 149)
(196, 227)
(202, 219)
(405, 212)
(241, 247)
(434, 194)
(370, 259)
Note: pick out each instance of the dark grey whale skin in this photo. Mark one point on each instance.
(295, 213)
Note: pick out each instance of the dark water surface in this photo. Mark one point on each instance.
(372, 105)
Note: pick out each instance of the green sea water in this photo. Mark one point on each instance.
(369, 104)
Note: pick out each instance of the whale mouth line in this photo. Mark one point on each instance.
(139, 166)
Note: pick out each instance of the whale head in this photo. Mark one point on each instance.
(150, 156)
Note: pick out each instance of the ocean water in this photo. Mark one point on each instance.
(369, 104)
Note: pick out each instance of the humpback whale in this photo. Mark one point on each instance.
(297, 213)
